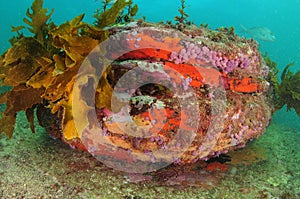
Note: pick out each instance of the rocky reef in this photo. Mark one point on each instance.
(137, 95)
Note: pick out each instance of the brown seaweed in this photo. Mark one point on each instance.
(20, 61)
(43, 67)
(38, 20)
(110, 16)
(19, 98)
(289, 91)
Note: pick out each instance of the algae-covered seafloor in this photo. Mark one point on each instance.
(36, 166)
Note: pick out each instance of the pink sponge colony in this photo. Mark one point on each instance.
(202, 54)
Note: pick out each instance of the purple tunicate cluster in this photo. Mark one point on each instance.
(204, 54)
(192, 51)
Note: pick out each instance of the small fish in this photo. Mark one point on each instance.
(260, 33)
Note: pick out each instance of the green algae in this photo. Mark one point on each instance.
(183, 15)
(289, 90)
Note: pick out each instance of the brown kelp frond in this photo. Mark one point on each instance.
(126, 17)
(19, 35)
(19, 98)
(38, 20)
(105, 5)
(289, 90)
(110, 16)
(19, 62)
(70, 39)
(17, 28)
(41, 69)
(39, 25)
(286, 72)
(69, 28)
(181, 20)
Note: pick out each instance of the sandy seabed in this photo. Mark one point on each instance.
(37, 166)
